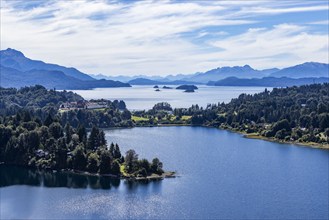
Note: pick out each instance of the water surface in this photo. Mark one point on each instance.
(144, 97)
(223, 175)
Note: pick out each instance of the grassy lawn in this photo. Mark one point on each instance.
(122, 169)
(98, 109)
(136, 118)
(186, 117)
(172, 118)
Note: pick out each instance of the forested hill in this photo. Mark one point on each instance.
(39, 103)
(37, 130)
(299, 114)
(293, 114)
(33, 98)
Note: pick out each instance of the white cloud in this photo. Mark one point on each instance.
(323, 22)
(283, 45)
(149, 36)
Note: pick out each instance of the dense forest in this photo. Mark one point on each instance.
(28, 141)
(35, 132)
(293, 114)
(40, 102)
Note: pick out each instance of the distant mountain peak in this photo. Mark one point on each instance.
(247, 66)
(15, 59)
(312, 64)
(308, 69)
(12, 52)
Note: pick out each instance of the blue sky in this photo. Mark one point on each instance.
(167, 37)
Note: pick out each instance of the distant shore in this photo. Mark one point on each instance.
(260, 137)
(250, 135)
(302, 144)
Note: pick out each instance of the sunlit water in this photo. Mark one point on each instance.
(144, 97)
(223, 175)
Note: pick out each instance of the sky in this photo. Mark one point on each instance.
(163, 37)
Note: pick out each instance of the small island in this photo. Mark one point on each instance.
(157, 90)
(166, 87)
(155, 87)
(187, 87)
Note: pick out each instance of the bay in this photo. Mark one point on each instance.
(144, 97)
(222, 175)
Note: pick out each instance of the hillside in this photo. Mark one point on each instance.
(144, 81)
(305, 70)
(309, 69)
(224, 72)
(50, 79)
(268, 81)
(16, 59)
(19, 71)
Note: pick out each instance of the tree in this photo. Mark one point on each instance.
(33, 141)
(79, 159)
(324, 121)
(26, 116)
(116, 168)
(82, 133)
(102, 140)
(156, 166)
(93, 162)
(5, 135)
(131, 161)
(48, 120)
(68, 133)
(94, 139)
(144, 164)
(55, 130)
(61, 154)
(105, 162)
(126, 115)
(283, 124)
(116, 152)
(111, 149)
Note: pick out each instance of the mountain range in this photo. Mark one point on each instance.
(305, 70)
(17, 70)
(309, 69)
(144, 81)
(268, 81)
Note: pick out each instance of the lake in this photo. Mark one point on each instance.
(144, 97)
(222, 175)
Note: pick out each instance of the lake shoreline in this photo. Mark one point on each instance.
(166, 174)
(246, 135)
(310, 144)
(249, 135)
(153, 176)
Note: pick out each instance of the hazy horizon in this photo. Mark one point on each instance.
(160, 38)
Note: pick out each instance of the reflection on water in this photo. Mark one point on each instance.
(14, 175)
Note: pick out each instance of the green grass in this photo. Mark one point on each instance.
(98, 109)
(137, 118)
(172, 118)
(186, 117)
(122, 170)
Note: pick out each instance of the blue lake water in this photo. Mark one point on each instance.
(223, 175)
(144, 97)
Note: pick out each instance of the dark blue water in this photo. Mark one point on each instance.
(223, 175)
